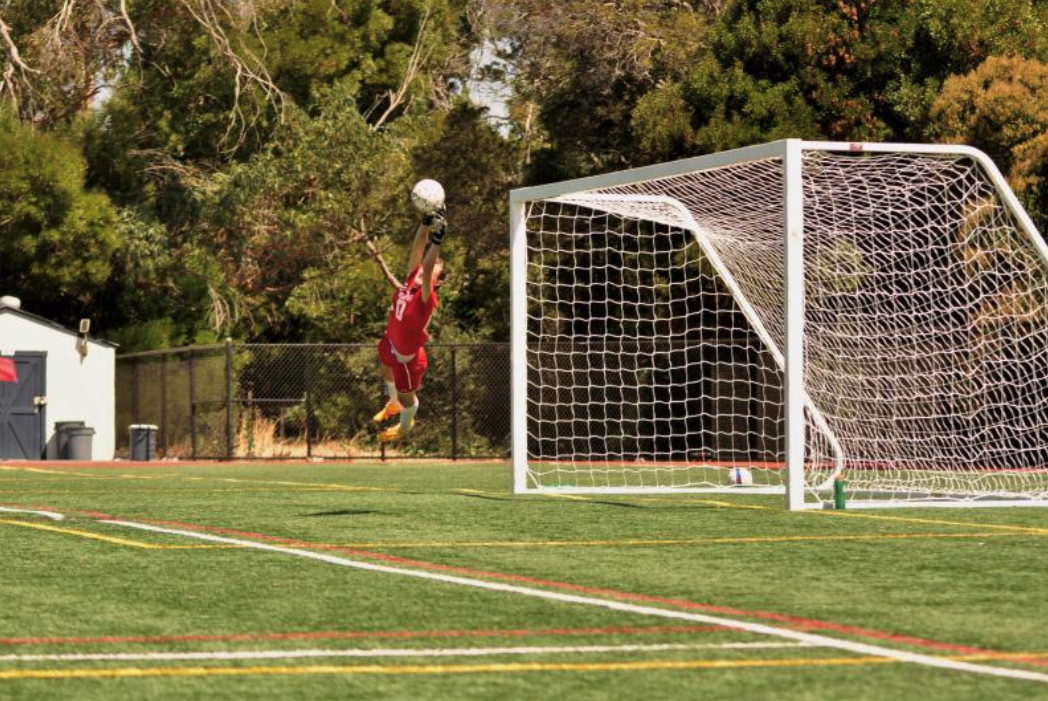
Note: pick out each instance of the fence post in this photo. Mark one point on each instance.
(229, 399)
(136, 408)
(454, 404)
(162, 442)
(308, 401)
(192, 406)
(309, 420)
(249, 419)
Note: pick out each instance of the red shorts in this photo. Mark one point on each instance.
(407, 375)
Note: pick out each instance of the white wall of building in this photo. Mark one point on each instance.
(78, 388)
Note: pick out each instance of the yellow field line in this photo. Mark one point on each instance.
(706, 502)
(697, 541)
(840, 514)
(284, 483)
(322, 486)
(630, 498)
(164, 490)
(569, 497)
(114, 540)
(498, 668)
(933, 521)
(82, 534)
(505, 668)
(552, 543)
(91, 475)
(40, 470)
(156, 546)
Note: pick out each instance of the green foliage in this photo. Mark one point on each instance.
(256, 214)
(147, 335)
(313, 43)
(661, 123)
(964, 33)
(259, 160)
(349, 303)
(161, 293)
(301, 215)
(57, 238)
(363, 46)
(800, 68)
(579, 69)
(863, 71)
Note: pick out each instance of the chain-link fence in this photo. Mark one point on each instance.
(301, 401)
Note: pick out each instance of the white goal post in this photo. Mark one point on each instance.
(825, 320)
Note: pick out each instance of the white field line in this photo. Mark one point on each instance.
(735, 624)
(49, 514)
(385, 652)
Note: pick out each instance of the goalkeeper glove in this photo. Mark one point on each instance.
(437, 224)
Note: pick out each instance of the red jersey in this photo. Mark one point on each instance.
(409, 315)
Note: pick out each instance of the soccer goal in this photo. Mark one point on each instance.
(797, 317)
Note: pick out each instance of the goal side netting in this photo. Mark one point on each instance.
(651, 320)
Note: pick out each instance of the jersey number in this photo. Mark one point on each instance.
(398, 311)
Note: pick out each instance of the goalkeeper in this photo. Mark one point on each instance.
(402, 348)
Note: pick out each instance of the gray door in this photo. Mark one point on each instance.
(22, 409)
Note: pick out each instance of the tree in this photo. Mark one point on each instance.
(578, 69)
(844, 70)
(259, 154)
(203, 101)
(302, 230)
(1002, 107)
(57, 238)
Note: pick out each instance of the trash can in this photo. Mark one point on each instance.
(78, 443)
(62, 437)
(143, 441)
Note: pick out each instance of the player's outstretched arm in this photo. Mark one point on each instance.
(437, 230)
(430, 222)
(418, 247)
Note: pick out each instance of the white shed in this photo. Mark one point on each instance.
(63, 376)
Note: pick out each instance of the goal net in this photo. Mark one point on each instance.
(653, 314)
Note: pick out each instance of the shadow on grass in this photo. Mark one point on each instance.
(343, 512)
(517, 499)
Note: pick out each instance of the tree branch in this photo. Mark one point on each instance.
(360, 234)
(249, 71)
(396, 97)
(9, 83)
(132, 34)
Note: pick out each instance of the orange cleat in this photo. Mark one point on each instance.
(393, 432)
(391, 409)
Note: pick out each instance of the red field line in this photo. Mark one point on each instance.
(358, 635)
(303, 462)
(291, 462)
(868, 466)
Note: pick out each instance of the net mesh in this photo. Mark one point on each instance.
(656, 323)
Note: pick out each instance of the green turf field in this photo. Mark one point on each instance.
(433, 581)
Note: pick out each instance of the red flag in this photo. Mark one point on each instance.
(8, 373)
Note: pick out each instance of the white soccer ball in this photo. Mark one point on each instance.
(427, 195)
(740, 477)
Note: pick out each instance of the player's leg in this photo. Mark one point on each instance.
(408, 380)
(393, 405)
(409, 407)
